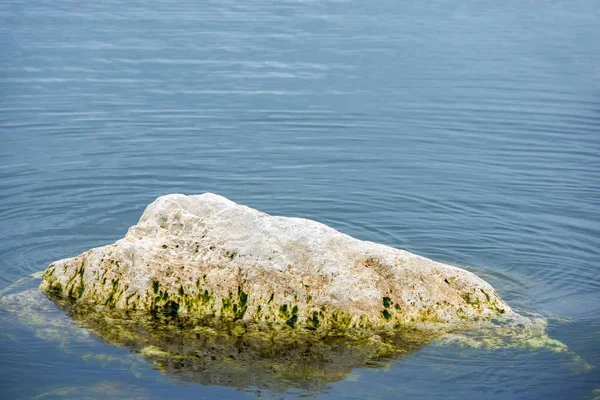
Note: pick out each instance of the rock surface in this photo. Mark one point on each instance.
(206, 255)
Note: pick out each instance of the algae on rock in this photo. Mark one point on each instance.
(205, 255)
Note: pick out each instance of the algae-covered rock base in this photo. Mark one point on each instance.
(204, 256)
(245, 355)
(218, 293)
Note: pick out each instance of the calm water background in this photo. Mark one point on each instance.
(468, 132)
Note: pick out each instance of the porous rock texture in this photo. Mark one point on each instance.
(204, 255)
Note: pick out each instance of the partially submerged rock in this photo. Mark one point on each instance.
(205, 255)
(212, 292)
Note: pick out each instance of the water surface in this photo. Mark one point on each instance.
(468, 132)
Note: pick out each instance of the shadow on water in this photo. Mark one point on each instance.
(208, 351)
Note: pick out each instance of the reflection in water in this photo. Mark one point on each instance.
(213, 352)
(244, 355)
(248, 357)
(104, 390)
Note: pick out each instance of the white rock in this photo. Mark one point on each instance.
(206, 255)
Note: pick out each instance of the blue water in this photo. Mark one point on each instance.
(468, 132)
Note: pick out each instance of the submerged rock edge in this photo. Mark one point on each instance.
(204, 255)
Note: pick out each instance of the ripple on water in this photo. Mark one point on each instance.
(405, 124)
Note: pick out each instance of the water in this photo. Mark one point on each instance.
(468, 132)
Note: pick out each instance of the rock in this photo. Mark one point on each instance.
(205, 255)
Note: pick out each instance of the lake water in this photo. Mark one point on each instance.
(467, 132)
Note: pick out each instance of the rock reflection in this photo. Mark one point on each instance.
(243, 355)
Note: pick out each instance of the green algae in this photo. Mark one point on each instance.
(487, 296)
(242, 305)
(292, 321)
(283, 311)
(205, 297)
(386, 315)
(387, 302)
(315, 320)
